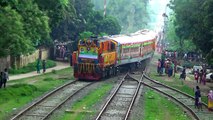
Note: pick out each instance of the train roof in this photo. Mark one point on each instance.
(138, 37)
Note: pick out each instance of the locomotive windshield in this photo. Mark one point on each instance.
(88, 49)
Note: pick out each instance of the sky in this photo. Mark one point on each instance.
(156, 9)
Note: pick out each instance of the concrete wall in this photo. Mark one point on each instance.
(4, 63)
(23, 60)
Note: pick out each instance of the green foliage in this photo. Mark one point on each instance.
(23, 27)
(27, 25)
(62, 15)
(196, 22)
(34, 20)
(110, 26)
(57, 10)
(54, 71)
(12, 34)
(102, 34)
(97, 23)
(131, 14)
(31, 67)
(16, 90)
(84, 35)
(188, 64)
(176, 43)
(48, 79)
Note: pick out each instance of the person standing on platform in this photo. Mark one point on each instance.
(210, 100)
(38, 65)
(44, 66)
(198, 103)
(162, 66)
(183, 74)
(204, 77)
(196, 75)
(5, 77)
(159, 67)
(1, 79)
(200, 76)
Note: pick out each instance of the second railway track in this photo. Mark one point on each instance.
(119, 105)
(184, 99)
(44, 107)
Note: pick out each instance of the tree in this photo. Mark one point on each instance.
(97, 24)
(86, 34)
(13, 39)
(63, 19)
(194, 22)
(131, 14)
(110, 26)
(34, 20)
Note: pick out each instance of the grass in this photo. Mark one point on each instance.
(160, 108)
(20, 92)
(31, 67)
(85, 106)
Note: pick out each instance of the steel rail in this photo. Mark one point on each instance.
(192, 97)
(134, 98)
(23, 112)
(64, 101)
(40, 100)
(186, 107)
(110, 99)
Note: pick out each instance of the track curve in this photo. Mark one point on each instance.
(182, 98)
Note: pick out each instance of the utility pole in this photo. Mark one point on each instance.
(105, 7)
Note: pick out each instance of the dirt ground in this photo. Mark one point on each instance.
(204, 88)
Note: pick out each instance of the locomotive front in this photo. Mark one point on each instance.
(95, 59)
(86, 60)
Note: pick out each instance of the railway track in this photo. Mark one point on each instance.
(44, 107)
(184, 99)
(119, 105)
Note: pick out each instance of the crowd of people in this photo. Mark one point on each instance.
(200, 76)
(61, 51)
(4, 77)
(166, 66)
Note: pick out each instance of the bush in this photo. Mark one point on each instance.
(48, 79)
(31, 67)
(188, 64)
(54, 71)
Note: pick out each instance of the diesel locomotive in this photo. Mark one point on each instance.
(98, 58)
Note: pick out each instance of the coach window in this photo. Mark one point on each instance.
(136, 49)
(126, 50)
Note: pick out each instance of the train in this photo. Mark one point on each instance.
(100, 57)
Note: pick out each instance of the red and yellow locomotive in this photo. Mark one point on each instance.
(97, 58)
